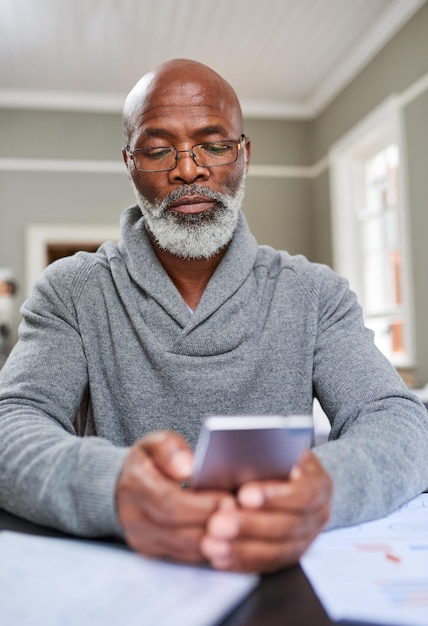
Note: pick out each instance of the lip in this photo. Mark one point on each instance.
(192, 204)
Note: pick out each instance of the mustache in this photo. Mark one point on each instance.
(191, 190)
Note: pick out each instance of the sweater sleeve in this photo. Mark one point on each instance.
(48, 474)
(377, 453)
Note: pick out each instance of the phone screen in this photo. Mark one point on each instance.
(232, 450)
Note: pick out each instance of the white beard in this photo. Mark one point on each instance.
(192, 235)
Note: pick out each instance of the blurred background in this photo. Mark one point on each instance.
(335, 100)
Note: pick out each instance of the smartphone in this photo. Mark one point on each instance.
(232, 450)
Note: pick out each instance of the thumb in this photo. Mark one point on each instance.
(170, 453)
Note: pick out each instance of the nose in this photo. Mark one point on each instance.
(186, 170)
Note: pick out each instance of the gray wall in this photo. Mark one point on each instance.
(291, 212)
(278, 209)
(398, 66)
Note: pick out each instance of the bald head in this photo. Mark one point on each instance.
(179, 83)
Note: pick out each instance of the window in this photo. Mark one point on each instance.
(46, 243)
(369, 228)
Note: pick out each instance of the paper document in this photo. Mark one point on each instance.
(376, 572)
(61, 582)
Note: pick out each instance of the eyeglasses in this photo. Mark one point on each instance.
(165, 158)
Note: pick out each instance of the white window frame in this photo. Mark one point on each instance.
(40, 236)
(381, 126)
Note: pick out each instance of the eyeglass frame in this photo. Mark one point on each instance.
(240, 143)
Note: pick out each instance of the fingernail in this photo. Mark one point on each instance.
(182, 463)
(251, 497)
(224, 526)
(214, 549)
(295, 473)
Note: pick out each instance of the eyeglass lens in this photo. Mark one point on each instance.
(205, 155)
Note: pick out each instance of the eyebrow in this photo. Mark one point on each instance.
(201, 132)
(156, 132)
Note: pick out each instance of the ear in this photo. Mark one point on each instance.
(247, 153)
(125, 156)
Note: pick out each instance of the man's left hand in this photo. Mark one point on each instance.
(272, 523)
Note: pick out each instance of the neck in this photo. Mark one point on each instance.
(190, 276)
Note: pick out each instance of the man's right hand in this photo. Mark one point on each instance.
(159, 517)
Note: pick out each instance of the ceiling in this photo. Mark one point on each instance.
(285, 58)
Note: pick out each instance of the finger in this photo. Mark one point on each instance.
(253, 556)
(170, 453)
(309, 487)
(153, 540)
(229, 524)
(158, 517)
(260, 541)
(144, 488)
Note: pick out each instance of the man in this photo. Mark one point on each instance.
(187, 317)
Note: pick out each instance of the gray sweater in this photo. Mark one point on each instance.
(106, 337)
